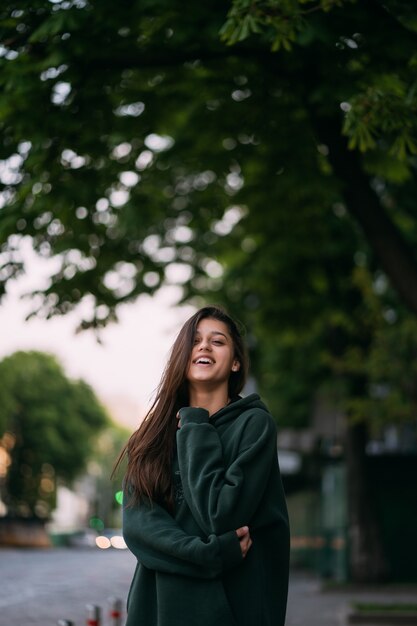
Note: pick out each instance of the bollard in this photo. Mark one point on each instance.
(65, 622)
(93, 615)
(115, 612)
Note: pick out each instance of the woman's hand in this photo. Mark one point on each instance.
(245, 540)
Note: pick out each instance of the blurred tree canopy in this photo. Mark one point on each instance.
(266, 155)
(47, 424)
(136, 138)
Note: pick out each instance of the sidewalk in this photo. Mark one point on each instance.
(311, 603)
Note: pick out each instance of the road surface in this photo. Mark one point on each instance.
(39, 587)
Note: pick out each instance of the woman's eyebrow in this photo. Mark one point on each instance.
(213, 332)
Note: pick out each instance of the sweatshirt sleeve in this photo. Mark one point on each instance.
(224, 497)
(157, 541)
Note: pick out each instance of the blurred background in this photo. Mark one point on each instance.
(262, 155)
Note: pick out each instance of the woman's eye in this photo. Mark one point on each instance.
(218, 342)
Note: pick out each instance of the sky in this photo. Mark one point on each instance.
(125, 368)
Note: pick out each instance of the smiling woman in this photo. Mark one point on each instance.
(204, 509)
(212, 361)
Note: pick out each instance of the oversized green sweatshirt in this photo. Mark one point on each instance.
(190, 569)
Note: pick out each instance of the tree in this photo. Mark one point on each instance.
(48, 425)
(272, 164)
(127, 131)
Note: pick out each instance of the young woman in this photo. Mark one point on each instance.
(205, 511)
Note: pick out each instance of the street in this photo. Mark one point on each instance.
(39, 587)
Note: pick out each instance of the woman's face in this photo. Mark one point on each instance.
(212, 356)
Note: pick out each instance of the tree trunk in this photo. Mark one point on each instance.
(367, 560)
(395, 255)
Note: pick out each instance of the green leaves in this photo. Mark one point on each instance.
(65, 116)
(234, 29)
(386, 109)
(47, 429)
(56, 23)
(281, 20)
(255, 117)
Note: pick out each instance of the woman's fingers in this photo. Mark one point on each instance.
(242, 531)
(244, 539)
(245, 545)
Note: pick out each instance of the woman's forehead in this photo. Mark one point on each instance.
(212, 326)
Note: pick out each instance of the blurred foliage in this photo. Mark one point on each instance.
(334, 329)
(48, 425)
(108, 446)
(263, 153)
(280, 21)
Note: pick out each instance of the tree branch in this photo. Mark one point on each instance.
(395, 255)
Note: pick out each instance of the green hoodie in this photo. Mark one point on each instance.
(190, 569)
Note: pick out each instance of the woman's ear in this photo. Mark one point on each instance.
(235, 366)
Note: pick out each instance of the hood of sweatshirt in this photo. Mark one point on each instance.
(237, 407)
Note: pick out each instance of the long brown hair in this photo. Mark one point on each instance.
(151, 447)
